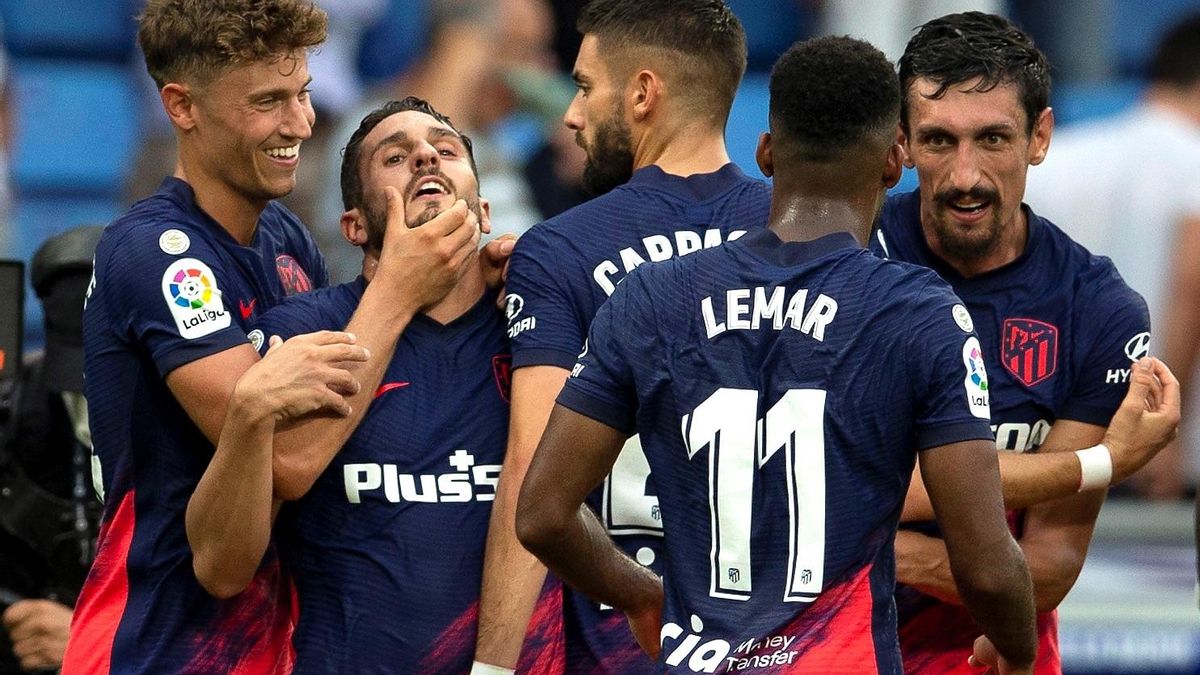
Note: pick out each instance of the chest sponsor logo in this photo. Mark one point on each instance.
(656, 248)
(190, 289)
(688, 649)
(292, 276)
(502, 372)
(1138, 347)
(466, 482)
(1021, 436)
(1029, 350)
(976, 382)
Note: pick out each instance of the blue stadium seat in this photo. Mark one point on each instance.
(95, 29)
(76, 127)
(771, 27)
(395, 41)
(1078, 102)
(747, 120)
(1138, 27)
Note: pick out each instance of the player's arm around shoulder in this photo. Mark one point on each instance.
(229, 516)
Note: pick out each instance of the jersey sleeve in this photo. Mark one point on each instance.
(172, 305)
(602, 385)
(544, 323)
(1110, 341)
(945, 365)
(294, 316)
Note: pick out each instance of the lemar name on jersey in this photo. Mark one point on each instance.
(461, 485)
(748, 309)
(657, 247)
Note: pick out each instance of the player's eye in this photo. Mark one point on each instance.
(993, 139)
(446, 151)
(393, 159)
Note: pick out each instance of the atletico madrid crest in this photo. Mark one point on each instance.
(1029, 349)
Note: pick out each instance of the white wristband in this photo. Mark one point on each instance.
(478, 668)
(1095, 467)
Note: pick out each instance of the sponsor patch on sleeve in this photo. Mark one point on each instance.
(190, 289)
(963, 318)
(256, 338)
(976, 382)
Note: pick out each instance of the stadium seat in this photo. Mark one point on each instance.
(771, 27)
(389, 46)
(1078, 102)
(747, 120)
(94, 29)
(76, 127)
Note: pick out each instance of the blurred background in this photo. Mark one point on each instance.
(82, 136)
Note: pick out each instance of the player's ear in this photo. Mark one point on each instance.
(178, 103)
(902, 141)
(763, 155)
(645, 93)
(485, 216)
(1039, 141)
(894, 167)
(354, 227)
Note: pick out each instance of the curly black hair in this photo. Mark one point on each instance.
(958, 48)
(705, 36)
(1177, 58)
(830, 93)
(352, 190)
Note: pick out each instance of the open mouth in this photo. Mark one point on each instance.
(430, 188)
(968, 206)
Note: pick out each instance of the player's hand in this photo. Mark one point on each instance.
(493, 260)
(646, 623)
(38, 630)
(423, 263)
(1147, 420)
(303, 375)
(986, 656)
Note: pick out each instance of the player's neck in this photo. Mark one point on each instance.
(805, 217)
(233, 212)
(684, 151)
(457, 302)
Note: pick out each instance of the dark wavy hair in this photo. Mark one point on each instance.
(830, 93)
(705, 38)
(1177, 58)
(958, 48)
(352, 190)
(196, 40)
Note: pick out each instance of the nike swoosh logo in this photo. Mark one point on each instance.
(247, 309)
(388, 386)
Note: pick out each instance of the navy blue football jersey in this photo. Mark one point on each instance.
(561, 272)
(1060, 330)
(171, 286)
(781, 392)
(386, 549)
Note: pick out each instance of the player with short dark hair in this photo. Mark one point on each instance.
(782, 385)
(655, 82)
(1059, 329)
(386, 547)
(176, 280)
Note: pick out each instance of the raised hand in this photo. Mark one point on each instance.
(1147, 420)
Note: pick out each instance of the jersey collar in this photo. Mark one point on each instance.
(766, 245)
(700, 186)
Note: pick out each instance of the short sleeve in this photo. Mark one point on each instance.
(601, 385)
(945, 363)
(544, 322)
(172, 305)
(1109, 343)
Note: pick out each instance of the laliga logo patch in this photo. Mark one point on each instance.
(976, 382)
(174, 242)
(191, 292)
(1138, 346)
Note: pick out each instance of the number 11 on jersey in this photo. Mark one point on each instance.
(739, 445)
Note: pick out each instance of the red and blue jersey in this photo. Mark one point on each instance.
(386, 549)
(781, 392)
(561, 272)
(171, 286)
(1060, 330)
